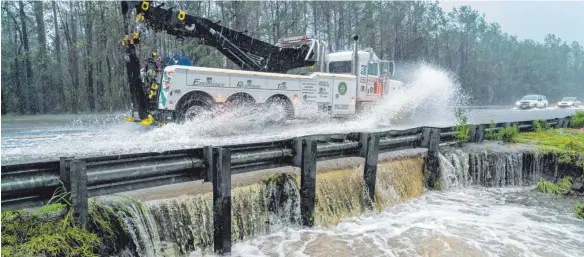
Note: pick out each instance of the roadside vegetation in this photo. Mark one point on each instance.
(52, 231)
(563, 187)
(567, 143)
(462, 127)
(577, 120)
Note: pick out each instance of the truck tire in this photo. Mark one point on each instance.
(193, 107)
(279, 109)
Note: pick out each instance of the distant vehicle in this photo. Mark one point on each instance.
(532, 101)
(569, 102)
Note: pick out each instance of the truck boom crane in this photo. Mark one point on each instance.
(246, 52)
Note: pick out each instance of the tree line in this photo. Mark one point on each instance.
(66, 57)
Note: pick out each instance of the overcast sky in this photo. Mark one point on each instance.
(531, 19)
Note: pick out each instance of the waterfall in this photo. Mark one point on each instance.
(493, 168)
(183, 225)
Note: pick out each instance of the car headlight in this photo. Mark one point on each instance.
(517, 103)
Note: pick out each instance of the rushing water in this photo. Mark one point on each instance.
(501, 219)
(459, 222)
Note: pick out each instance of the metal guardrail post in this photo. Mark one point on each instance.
(566, 122)
(78, 185)
(370, 170)
(431, 140)
(308, 182)
(64, 167)
(297, 160)
(560, 123)
(209, 163)
(363, 140)
(477, 133)
(222, 201)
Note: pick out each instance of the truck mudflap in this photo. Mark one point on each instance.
(159, 119)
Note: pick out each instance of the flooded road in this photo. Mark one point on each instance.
(46, 138)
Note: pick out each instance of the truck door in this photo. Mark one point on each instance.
(344, 94)
(386, 68)
(372, 77)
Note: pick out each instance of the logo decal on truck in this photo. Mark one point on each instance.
(208, 83)
(342, 88)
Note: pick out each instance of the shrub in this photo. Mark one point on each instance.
(540, 125)
(508, 134)
(580, 210)
(562, 187)
(492, 134)
(462, 127)
(577, 120)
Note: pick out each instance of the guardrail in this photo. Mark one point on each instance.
(33, 184)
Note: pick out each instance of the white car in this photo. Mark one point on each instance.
(532, 101)
(569, 102)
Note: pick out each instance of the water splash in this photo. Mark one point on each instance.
(430, 94)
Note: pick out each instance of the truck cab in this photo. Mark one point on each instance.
(373, 74)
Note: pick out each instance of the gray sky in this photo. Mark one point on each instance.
(531, 19)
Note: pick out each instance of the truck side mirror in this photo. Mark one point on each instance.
(391, 68)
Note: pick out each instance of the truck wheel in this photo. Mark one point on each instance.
(279, 110)
(194, 107)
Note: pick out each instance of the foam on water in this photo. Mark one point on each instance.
(460, 222)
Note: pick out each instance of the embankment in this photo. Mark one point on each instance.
(177, 220)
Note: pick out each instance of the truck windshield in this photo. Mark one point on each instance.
(343, 67)
(529, 97)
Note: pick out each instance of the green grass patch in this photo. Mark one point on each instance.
(580, 210)
(47, 232)
(577, 120)
(51, 230)
(567, 143)
(562, 187)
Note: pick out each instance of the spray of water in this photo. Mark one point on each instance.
(430, 96)
(427, 100)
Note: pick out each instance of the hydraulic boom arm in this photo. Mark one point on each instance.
(248, 53)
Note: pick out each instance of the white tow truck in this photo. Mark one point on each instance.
(295, 78)
(335, 89)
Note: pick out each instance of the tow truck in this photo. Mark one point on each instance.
(295, 78)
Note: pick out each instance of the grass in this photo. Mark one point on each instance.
(561, 188)
(577, 120)
(568, 143)
(52, 231)
(580, 210)
(508, 134)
